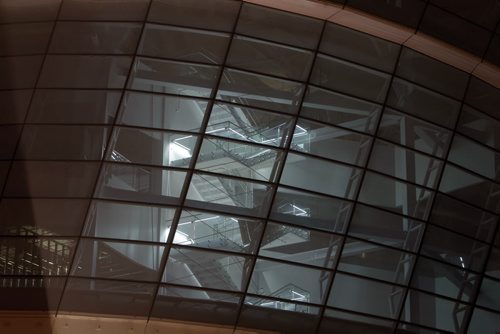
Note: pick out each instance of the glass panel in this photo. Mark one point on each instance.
(493, 266)
(269, 58)
(107, 297)
(483, 96)
(19, 72)
(429, 72)
(190, 266)
(211, 230)
(423, 103)
(196, 304)
(416, 134)
(115, 220)
(349, 78)
(375, 261)
(95, 37)
(330, 142)
(427, 310)
(27, 10)
(455, 249)
(33, 294)
(165, 76)
(404, 328)
(341, 110)
(479, 126)
(285, 242)
(183, 44)
(386, 228)
(358, 47)
(151, 147)
(366, 296)
(140, 183)
(396, 196)
(14, 105)
(287, 281)
(322, 176)
(488, 295)
(444, 280)
(470, 188)
(405, 164)
(311, 210)
(248, 124)
(463, 218)
(228, 195)
(62, 142)
(24, 38)
(109, 10)
(277, 316)
(475, 157)
(51, 179)
(208, 14)
(84, 71)
(117, 260)
(279, 26)
(260, 91)
(405, 12)
(484, 322)
(163, 112)
(9, 135)
(42, 216)
(238, 159)
(35, 256)
(4, 168)
(353, 323)
(74, 106)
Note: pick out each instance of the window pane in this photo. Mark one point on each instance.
(210, 230)
(416, 134)
(288, 281)
(74, 106)
(238, 159)
(190, 266)
(163, 112)
(483, 96)
(269, 58)
(4, 168)
(109, 10)
(260, 91)
(484, 321)
(164, 76)
(322, 176)
(228, 195)
(396, 196)
(95, 37)
(423, 103)
(51, 179)
(19, 72)
(33, 294)
(386, 228)
(62, 142)
(353, 323)
(42, 216)
(341, 110)
(183, 44)
(84, 71)
(479, 126)
(493, 266)
(14, 105)
(405, 164)
(300, 245)
(159, 148)
(26, 10)
(24, 38)
(349, 78)
(330, 142)
(129, 221)
(311, 210)
(248, 124)
(9, 136)
(366, 296)
(117, 260)
(375, 261)
(455, 249)
(358, 47)
(140, 183)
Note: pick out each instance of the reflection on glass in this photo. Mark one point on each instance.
(479, 126)
(9, 135)
(164, 76)
(484, 321)
(14, 105)
(249, 124)
(129, 221)
(19, 72)
(210, 230)
(200, 268)
(353, 323)
(24, 38)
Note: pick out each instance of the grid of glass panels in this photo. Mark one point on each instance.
(244, 165)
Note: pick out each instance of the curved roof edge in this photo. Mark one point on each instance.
(391, 31)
